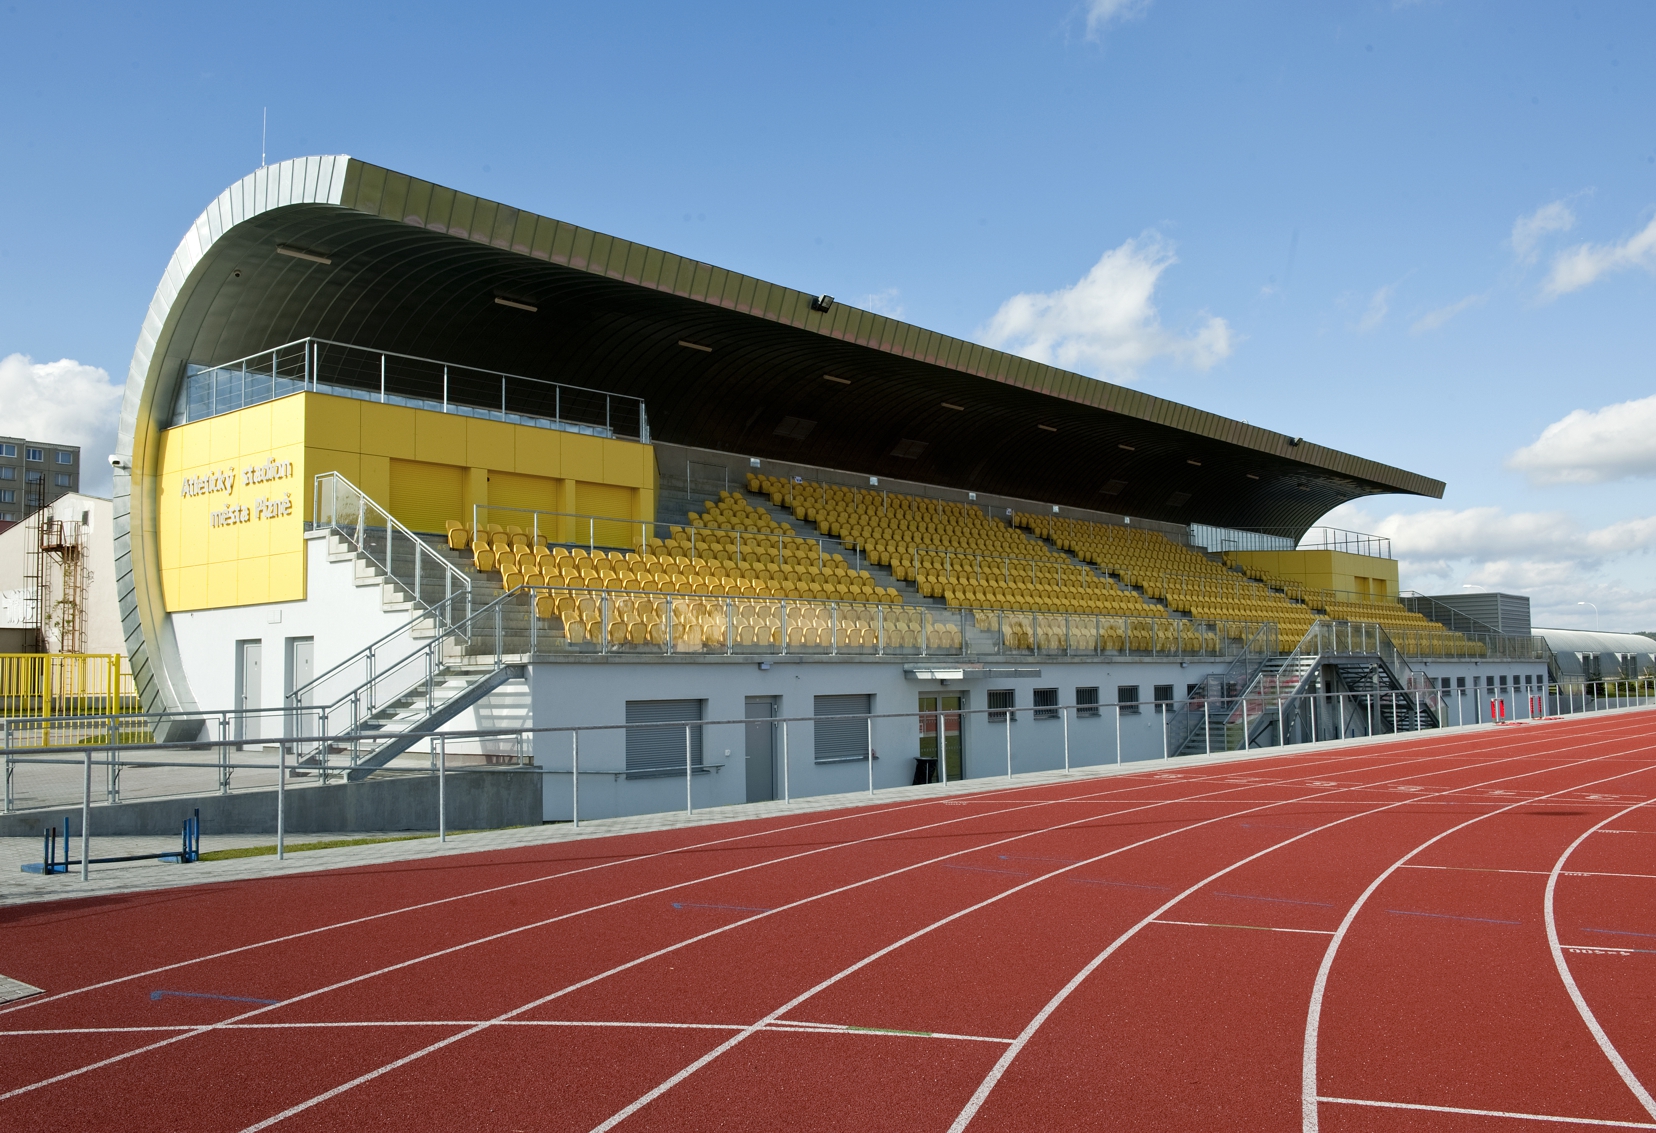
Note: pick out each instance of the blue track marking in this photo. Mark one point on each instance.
(1620, 932)
(1122, 884)
(1449, 916)
(209, 995)
(1276, 900)
(986, 869)
(682, 905)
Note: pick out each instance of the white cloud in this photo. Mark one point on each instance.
(1107, 323)
(1379, 306)
(1546, 555)
(63, 402)
(1437, 318)
(1575, 268)
(884, 303)
(1102, 13)
(1527, 231)
(1617, 442)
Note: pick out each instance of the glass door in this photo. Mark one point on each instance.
(941, 710)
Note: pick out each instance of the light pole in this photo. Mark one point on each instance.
(1595, 613)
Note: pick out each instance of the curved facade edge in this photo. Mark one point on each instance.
(147, 406)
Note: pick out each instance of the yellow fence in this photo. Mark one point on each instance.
(39, 689)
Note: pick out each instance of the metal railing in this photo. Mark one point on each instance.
(364, 374)
(407, 560)
(1003, 743)
(575, 529)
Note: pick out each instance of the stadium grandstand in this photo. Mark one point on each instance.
(394, 459)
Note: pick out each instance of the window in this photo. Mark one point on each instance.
(1046, 704)
(8, 450)
(843, 736)
(1127, 699)
(8, 496)
(8, 473)
(1503, 680)
(1083, 698)
(65, 457)
(33, 477)
(1000, 701)
(34, 454)
(1164, 697)
(1460, 682)
(660, 750)
(61, 479)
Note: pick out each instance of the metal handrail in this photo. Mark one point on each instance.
(306, 374)
(454, 579)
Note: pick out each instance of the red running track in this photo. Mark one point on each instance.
(1456, 932)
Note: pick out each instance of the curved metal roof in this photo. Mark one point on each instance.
(415, 267)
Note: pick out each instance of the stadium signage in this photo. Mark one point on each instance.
(224, 480)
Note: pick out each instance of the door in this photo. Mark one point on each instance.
(944, 709)
(301, 667)
(249, 681)
(761, 748)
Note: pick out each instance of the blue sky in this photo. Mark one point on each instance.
(1421, 232)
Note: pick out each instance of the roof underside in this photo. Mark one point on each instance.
(416, 268)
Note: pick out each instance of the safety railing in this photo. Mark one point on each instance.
(541, 619)
(811, 755)
(429, 578)
(694, 540)
(318, 365)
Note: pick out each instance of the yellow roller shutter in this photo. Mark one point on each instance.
(423, 496)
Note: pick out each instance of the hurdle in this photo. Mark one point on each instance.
(189, 849)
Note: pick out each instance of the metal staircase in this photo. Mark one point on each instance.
(1343, 678)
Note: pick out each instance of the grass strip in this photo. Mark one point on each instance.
(301, 847)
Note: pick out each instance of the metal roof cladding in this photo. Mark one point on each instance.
(337, 248)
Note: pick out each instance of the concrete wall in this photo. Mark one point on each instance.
(103, 619)
(474, 800)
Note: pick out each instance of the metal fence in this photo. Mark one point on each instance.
(48, 779)
(344, 370)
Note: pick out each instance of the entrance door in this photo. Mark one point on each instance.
(301, 667)
(249, 682)
(761, 748)
(945, 708)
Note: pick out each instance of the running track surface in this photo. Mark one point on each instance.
(1456, 932)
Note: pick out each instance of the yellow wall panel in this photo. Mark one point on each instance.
(388, 430)
(540, 452)
(425, 496)
(583, 458)
(331, 422)
(489, 444)
(440, 438)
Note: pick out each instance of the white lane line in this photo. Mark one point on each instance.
(205, 1028)
(993, 1077)
(1489, 1113)
(791, 1004)
(1563, 967)
(1022, 1038)
(1119, 787)
(1309, 1118)
(1254, 927)
(1143, 806)
(784, 1025)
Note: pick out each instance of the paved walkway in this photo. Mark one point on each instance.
(17, 887)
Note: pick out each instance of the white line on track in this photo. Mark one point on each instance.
(204, 1029)
(981, 1094)
(1133, 782)
(1489, 1113)
(1309, 1117)
(1023, 1038)
(1537, 872)
(784, 1025)
(1563, 966)
(771, 1018)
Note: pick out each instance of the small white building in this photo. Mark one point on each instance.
(89, 521)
